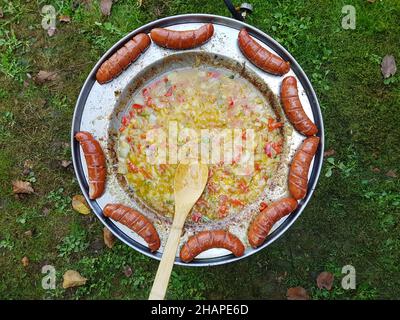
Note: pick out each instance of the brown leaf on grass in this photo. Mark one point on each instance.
(44, 76)
(388, 66)
(66, 19)
(25, 261)
(297, 293)
(376, 170)
(22, 187)
(109, 238)
(329, 153)
(325, 280)
(51, 31)
(28, 233)
(128, 271)
(105, 7)
(391, 174)
(73, 278)
(80, 205)
(65, 163)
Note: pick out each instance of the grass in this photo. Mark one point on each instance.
(353, 217)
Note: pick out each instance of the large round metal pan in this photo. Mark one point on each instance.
(96, 103)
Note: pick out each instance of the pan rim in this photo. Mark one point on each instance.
(263, 37)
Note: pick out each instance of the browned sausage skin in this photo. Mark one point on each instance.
(205, 240)
(124, 56)
(134, 221)
(260, 56)
(263, 222)
(180, 40)
(95, 162)
(298, 173)
(294, 109)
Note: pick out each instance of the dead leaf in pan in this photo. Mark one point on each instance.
(297, 293)
(325, 280)
(66, 19)
(388, 66)
(105, 7)
(44, 76)
(22, 187)
(80, 205)
(109, 238)
(73, 278)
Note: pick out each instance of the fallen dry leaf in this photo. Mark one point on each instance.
(22, 187)
(325, 280)
(80, 205)
(297, 293)
(73, 278)
(388, 66)
(66, 19)
(51, 31)
(128, 271)
(44, 76)
(65, 163)
(28, 233)
(109, 238)
(105, 7)
(25, 261)
(376, 170)
(391, 174)
(329, 153)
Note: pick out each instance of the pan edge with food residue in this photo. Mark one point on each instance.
(217, 85)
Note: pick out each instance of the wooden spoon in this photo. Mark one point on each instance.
(189, 183)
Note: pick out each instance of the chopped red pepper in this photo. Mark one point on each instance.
(212, 74)
(237, 202)
(125, 121)
(132, 167)
(268, 149)
(257, 166)
(122, 128)
(196, 216)
(231, 103)
(145, 92)
(244, 135)
(277, 147)
(222, 211)
(272, 125)
(137, 106)
(243, 187)
(263, 206)
(129, 139)
(131, 113)
(145, 173)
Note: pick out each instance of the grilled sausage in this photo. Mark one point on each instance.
(298, 173)
(205, 240)
(180, 40)
(262, 224)
(95, 162)
(134, 221)
(260, 56)
(124, 56)
(293, 108)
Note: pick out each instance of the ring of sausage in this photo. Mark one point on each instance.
(205, 240)
(294, 109)
(134, 221)
(260, 56)
(121, 59)
(95, 162)
(298, 173)
(263, 222)
(180, 40)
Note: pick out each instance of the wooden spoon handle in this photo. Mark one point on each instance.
(160, 283)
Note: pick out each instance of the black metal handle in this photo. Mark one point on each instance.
(236, 14)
